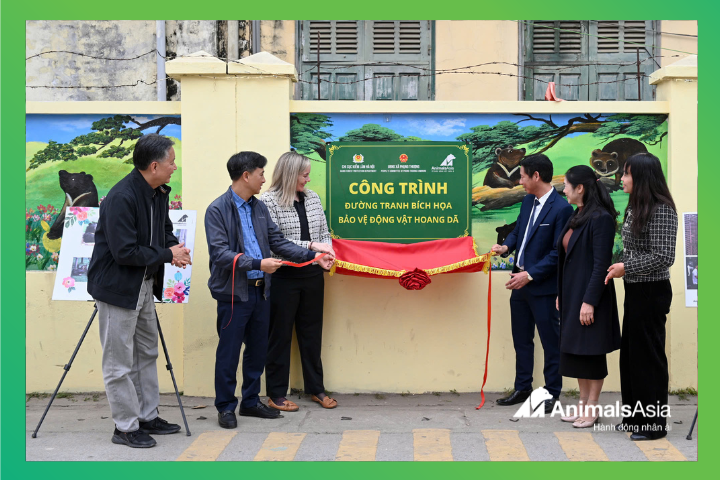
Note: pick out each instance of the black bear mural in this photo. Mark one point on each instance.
(505, 172)
(80, 191)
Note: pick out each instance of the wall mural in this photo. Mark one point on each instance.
(73, 161)
(498, 142)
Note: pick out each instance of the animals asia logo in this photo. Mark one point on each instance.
(534, 406)
(448, 162)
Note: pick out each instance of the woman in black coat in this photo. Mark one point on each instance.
(589, 323)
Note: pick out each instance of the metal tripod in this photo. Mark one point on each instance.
(692, 427)
(72, 358)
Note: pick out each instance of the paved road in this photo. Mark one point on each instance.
(390, 427)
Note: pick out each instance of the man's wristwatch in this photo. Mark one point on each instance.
(529, 277)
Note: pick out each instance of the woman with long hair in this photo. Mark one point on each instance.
(589, 323)
(649, 233)
(296, 294)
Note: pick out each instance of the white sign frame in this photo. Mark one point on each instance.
(77, 247)
(690, 261)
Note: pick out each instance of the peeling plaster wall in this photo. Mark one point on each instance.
(114, 39)
(185, 37)
(278, 37)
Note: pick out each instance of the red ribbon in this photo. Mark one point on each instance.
(487, 349)
(232, 296)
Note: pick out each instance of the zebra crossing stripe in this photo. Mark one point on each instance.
(660, 450)
(207, 447)
(280, 447)
(358, 446)
(581, 447)
(505, 446)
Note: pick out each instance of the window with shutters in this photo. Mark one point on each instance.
(589, 60)
(365, 60)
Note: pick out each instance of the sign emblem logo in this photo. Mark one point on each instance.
(448, 162)
(358, 158)
(534, 406)
(403, 158)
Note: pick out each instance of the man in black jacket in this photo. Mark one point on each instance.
(133, 240)
(240, 235)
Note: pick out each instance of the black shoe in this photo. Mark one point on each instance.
(515, 398)
(638, 437)
(158, 426)
(227, 419)
(261, 411)
(549, 404)
(136, 439)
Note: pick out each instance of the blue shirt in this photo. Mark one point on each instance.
(252, 248)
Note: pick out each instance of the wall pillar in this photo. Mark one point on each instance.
(226, 108)
(677, 85)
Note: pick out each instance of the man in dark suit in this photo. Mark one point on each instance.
(533, 281)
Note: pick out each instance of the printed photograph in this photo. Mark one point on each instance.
(80, 269)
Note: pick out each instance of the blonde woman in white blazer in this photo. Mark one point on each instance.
(297, 294)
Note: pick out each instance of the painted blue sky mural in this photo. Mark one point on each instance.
(436, 126)
(63, 128)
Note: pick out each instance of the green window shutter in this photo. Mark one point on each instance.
(366, 60)
(398, 41)
(619, 43)
(588, 60)
(396, 83)
(556, 41)
(344, 83)
(337, 41)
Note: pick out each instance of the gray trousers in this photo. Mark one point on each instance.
(129, 341)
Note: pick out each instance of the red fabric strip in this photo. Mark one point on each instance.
(232, 297)
(304, 264)
(487, 348)
(405, 257)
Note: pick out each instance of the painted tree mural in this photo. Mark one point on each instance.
(484, 139)
(308, 133)
(105, 132)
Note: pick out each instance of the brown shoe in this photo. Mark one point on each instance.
(326, 402)
(288, 406)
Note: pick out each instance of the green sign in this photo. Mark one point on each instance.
(402, 192)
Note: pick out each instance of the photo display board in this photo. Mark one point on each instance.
(78, 241)
(400, 192)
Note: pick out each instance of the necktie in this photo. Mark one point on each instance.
(521, 257)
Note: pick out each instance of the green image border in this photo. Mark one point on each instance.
(13, 430)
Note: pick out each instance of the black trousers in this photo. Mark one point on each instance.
(298, 302)
(643, 364)
(249, 325)
(528, 311)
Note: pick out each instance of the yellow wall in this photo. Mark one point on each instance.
(377, 336)
(677, 84)
(677, 42)
(463, 43)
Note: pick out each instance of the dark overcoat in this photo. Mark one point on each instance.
(581, 279)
